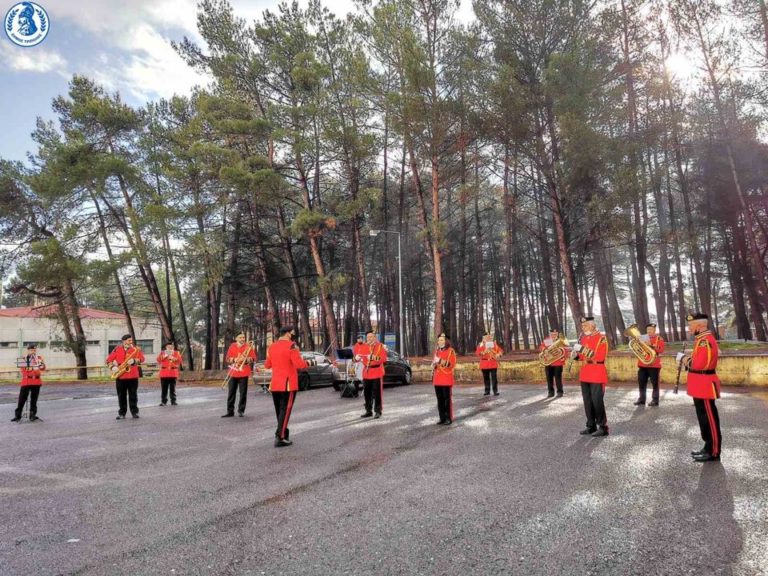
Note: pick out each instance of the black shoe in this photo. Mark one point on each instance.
(241, 414)
(495, 393)
(366, 415)
(653, 403)
(441, 422)
(600, 432)
(16, 419)
(551, 395)
(706, 457)
(377, 415)
(559, 394)
(697, 452)
(162, 404)
(33, 418)
(486, 394)
(639, 402)
(279, 443)
(174, 404)
(448, 422)
(135, 415)
(587, 431)
(228, 415)
(120, 417)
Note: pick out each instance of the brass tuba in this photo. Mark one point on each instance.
(553, 352)
(644, 352)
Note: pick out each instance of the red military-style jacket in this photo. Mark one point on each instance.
(33, 376)
(593, 357)
(119, 354)
(657, 343)
(285, 360)
(169, 363)
(703, 382)
(233, 353)
(488, 356)
(373, 358)
(443, 372)
(546, 344)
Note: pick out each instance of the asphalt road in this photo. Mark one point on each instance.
(510, 488)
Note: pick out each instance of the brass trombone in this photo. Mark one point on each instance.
(241, 360)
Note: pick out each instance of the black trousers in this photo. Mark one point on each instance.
(490, 378)
(236, 384)
(127, 395)
(709, 423)
(372, 393)
(594, 406)
(283, 405)
(444, 402)
(643, 374)
(554, 378)
(28, 391)
(168, 385)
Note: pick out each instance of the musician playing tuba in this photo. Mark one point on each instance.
(124, 362)
(240, 357)
(648, 349)
(552, 354)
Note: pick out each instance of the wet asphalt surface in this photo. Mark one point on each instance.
(509, 488)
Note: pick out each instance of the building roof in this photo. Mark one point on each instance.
(49, 311)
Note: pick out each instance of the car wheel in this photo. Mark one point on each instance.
(407, 378)
(303, 382)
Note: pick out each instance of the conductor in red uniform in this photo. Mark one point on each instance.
(704, 385)
(443, 365)
(169, 361)
(373, 355)
(592, 350)
(285, 360)
(127, 384)
(31, 380)
(489, 353)
(650, 371)
(240, 356)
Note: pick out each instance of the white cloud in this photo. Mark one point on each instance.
(31, 60)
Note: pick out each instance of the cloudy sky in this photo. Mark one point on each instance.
(123, 44)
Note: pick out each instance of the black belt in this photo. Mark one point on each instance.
(707, 372)
(594, 362)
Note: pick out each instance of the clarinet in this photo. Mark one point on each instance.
(679, 369)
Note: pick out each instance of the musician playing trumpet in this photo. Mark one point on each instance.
(552, 353)
(240, 357)
(169, 361)
(124, 362)
(489, 353)
(650, 370)
(32, 367)
(592, 350)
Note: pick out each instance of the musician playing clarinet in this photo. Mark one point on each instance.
(169, 361)
(240, 357)
(32, 367)
(126, 358)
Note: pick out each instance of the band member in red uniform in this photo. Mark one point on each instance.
(373, 355)
(240, 357)
(489, 353)
(554, 369)
(591, 350)
(285, 360)
(652, 370)
(443, 364)
(169, 361)
(704, 385)
(126, 358)
(32, 367)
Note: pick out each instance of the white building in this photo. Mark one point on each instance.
(103, 330)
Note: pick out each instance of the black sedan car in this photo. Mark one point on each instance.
(397, 370)
(322, 373)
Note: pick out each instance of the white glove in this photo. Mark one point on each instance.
(577, 347)
(132, 361)
(435, 360)
(357, 358)
(679, 357)
(574, 355)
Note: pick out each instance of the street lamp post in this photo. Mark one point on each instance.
(399, 283)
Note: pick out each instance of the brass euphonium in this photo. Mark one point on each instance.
(644, 352)
(553, 352)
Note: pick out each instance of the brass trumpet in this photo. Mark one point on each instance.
(553, 352)
(644, 352)
(126, 365)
